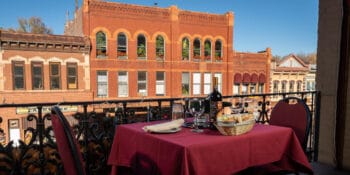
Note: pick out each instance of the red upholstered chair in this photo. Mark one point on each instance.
(67, 145)
(294, 113)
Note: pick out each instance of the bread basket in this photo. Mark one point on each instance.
(233, 128)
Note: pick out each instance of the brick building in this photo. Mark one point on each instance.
(41, 68)
(165, 52)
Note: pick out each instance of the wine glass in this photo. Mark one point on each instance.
(196, 122)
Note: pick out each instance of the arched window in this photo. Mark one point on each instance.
(185, 49)
(141, 47)
(207, 50)
(101, 45)
(196, 49)
(160, 47)
(218, 50)
(122, 46)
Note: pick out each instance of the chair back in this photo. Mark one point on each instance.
(294, 113)
(67, 145)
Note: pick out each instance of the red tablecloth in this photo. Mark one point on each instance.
(207, 153)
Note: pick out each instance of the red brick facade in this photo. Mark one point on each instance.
(173, 25)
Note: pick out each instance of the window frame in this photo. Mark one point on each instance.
(196, 85)
(197, 49)
(75, 76)
(185, 86)
(207, 83)
(184, 49)
(160, 83)
(101, 49)
(207, 51)
(15, 76)
(122, 50)
(51, 76)
(160, 48)
(140, 82)
(123, 84)
(101, 84)
(41, 76)
(139, 47)
(218, 51)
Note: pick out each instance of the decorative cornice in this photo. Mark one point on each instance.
(42, 42)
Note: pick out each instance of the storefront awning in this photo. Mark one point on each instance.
(237, 78)
(254, 78)
(246, 78)
(262, 78)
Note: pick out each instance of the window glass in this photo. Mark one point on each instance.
(207, 50)
(37, 76)
(160, 83)
(141, 47)
(72, 78)
(236, 89)
(123, 87)
(101, 45)
(207, 83)
(218, 50)
(185, 49)
(196, 49)
(18, 75)
(102, 84)
(196, 83)
(185, 83)
(122, 46)
(218, 77)
(160, 47)
(142, 83)
(55, 76)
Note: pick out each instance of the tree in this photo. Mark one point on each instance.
(32, 25)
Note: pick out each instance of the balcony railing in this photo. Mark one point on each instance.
(94, 124)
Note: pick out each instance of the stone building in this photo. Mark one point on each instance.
(164, 52)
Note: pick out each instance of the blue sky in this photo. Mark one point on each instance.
(286, 26)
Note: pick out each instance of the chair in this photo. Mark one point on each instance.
(67, 145)
(294, 113)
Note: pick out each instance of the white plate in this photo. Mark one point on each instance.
(174, 130)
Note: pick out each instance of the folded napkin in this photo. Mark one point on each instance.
(164, 126)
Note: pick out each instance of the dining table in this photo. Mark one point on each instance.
(184, 152)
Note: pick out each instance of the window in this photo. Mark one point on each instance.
(141, 47)
(142, 83)
(291, 86)
(37, 76)
(252, 88)
(185, 49)
(160, 83)
(236, 89)
(275, 86)
(101, 45)
(218, 77)
(122, 48)
(123, 87)
(284, 84)
(160, 48)
(18, 75)
(207, 83)
(218, 50)
(196, 83)
(102, 84)
(185, 83)
(72, 78)
(196, 49)
(55, 76)
(299, 86)
(245, 89)
(207, 50)
(261, 88)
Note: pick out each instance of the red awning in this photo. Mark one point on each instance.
(246, 78)
(262, 78)
(237, 78)
(254, 78)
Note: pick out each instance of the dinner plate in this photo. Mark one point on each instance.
(174, 130)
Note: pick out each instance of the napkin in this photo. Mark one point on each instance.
(164, 126)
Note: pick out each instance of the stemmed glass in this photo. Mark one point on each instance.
(197, 115)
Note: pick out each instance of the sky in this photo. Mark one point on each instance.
(286, 26)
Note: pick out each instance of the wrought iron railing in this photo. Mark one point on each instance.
(94, 124)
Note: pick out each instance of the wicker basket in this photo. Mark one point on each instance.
(229, 129)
